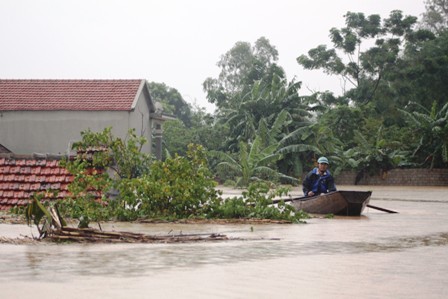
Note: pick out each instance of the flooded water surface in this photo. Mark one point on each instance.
(377, 255)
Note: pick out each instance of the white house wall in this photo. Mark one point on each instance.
(140, 120)
(25, 132)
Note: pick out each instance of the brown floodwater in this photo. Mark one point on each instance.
(377, 255)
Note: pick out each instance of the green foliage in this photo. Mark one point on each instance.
(256, 202)
(86, 209)
(388, 63)
(43, 214)
(276, 105)
(241, 66)
(178, 187)
(310, 141)
(98, 154)
(268, 112)
(430, 134)
(172, 101)
(102, 149)
(422, 74)
(362, 66)
(343, 121)
(176, 137)
(436, 16)
(254, 162)
(182, 187)
(37, 214)
(385, 63)
(371, 155)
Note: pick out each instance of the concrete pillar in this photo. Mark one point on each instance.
(158, 134)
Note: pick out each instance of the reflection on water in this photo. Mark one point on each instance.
(328, 255)
(135, 260)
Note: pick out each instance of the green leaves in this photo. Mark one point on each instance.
(321, 58)
(172, 101)
(436, 16)
(431, 132)
(241, 67)
(256, 202)
(256, 161)
(179, 187)
(35, 212)
(98, 154)
(373, 155)
(352, 57)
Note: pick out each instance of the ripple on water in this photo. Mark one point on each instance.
(124, 260)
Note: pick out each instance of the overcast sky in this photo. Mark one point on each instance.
(177, 42)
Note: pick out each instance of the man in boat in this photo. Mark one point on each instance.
(319, 180)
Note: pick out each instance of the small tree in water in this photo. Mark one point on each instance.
(179, 187)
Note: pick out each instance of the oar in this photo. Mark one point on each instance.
(303, 198)
(274, 201)
(382, 209)
(298, 198)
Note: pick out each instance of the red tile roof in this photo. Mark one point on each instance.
(74, 95)
(22, 176)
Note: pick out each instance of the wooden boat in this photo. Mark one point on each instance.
(347, 203)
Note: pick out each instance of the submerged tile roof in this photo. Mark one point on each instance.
(21, 177)
(74, 95)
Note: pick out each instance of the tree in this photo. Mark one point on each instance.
(344, 121)
(241, 67)
(422, 74)
(264, 103)
(254, 162)
(172, 101)
(308, 141)
(387, 63)
(124, 157)
(252, 95)
(431, 130)
(375, 154)
(103, 163)
(176, 137)
(195, 125)
(436, 16)
(364, 68)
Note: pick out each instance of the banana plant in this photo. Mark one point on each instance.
(431, 129)
(254, 163)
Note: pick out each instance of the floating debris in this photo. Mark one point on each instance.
(95, 235)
